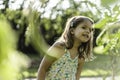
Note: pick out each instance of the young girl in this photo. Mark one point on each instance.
(65, 58)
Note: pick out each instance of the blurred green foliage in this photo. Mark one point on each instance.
(33, 35)
(11, 60)
(109, 39)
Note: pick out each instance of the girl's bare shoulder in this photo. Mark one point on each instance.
(56, 50)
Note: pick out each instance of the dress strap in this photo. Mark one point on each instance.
(68, 52)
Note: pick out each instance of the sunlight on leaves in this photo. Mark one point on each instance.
(11, 60)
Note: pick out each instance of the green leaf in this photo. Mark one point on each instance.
(101, 23)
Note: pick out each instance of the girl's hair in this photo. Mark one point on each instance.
(67, 38)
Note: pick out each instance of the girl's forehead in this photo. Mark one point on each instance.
(87, 23)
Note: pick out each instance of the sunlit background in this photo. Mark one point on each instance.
(29, 27)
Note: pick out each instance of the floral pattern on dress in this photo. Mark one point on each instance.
(64, 68)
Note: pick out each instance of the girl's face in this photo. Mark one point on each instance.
(83, 31)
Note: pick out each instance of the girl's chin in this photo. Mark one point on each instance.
(85, 41)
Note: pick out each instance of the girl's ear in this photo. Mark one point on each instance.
(72, 31)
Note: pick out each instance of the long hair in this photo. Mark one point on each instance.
(84, 49)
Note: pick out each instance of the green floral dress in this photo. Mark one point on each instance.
(64, 68)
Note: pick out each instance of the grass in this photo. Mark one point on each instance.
(101, 66)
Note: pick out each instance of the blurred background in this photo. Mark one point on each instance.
(29, 27)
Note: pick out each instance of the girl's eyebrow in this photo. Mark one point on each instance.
(88, 27)
(85, 25)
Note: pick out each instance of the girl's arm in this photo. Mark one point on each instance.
(80, 65)
(53, 54)
(45, 64)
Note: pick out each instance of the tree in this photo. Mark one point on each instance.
(110, 40)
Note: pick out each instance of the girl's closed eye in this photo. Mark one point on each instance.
(86, 28)
(91, 30)
(83, 27)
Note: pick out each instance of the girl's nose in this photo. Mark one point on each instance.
(87, 31)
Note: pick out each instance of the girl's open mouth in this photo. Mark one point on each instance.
(86, 35)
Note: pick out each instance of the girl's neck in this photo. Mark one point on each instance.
(76, 44)
(74, 49)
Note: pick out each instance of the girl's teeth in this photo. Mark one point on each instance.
(85, 35)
